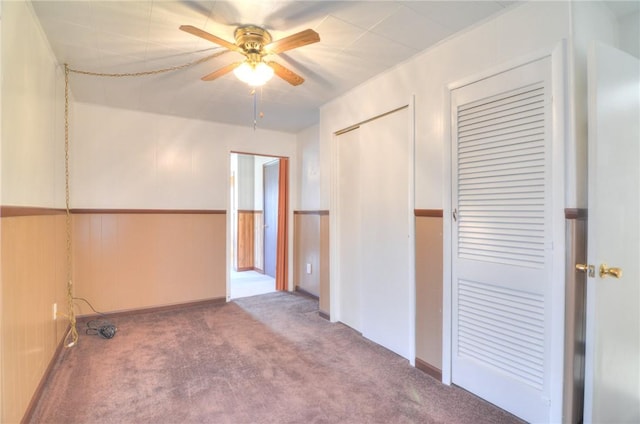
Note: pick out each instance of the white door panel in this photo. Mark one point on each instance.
(612, 370)
(501, 241)
(349, 234)
(385, 232)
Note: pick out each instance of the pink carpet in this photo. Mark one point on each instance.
(262, 359)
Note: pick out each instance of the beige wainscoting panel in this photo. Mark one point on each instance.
(34, 273)
(307, 252)
(126, 261)
(429, 245)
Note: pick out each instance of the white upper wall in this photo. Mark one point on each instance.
(520, 31)
(309, 168)
(250, 181)
(245, 179)
(32, 112)
(590, 21)
(630, 34)
(259, 161)
(136, 160)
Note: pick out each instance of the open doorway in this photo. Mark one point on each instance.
(256, 224)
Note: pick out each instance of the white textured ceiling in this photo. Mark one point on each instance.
(359, 39)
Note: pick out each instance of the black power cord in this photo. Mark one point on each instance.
(105, 329)
(99, 327)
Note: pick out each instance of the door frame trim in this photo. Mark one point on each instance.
(291, 195)
(562, 135)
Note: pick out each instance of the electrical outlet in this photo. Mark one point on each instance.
(308, 268)
(55, 311)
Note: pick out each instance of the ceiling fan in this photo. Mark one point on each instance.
(255, 43)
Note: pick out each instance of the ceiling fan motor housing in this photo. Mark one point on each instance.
(252, 40)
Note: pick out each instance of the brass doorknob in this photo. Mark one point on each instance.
(613, 272)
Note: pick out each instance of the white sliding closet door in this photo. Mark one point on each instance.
(501, 241)
(374, 231)
(385, 241)
(349, 234)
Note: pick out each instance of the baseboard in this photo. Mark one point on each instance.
(244, 268)
(324, 315)
(249, 268)
(116, 314)
(306, 293)
(45, 377)
(429, 369)
(429, 213)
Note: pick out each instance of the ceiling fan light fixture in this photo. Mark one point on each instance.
(254, 74)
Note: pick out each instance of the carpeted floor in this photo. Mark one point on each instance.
(262, 359)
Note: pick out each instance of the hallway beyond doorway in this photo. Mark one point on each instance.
(250, 283)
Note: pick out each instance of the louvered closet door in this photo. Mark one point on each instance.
(501, 239)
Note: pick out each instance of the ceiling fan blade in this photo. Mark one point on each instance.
(220, 72)
(302, 38)
(286, 74)
(210, 37)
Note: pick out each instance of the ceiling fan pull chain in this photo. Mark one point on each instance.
(255, 117)
(261, 114)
